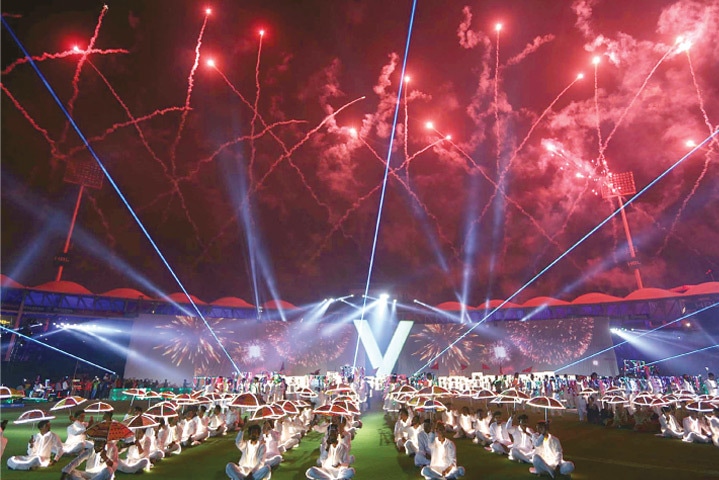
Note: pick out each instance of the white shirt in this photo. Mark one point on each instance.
(76, 433)
(44, 446)
(549, 449)
(444, 454)
(253, 454)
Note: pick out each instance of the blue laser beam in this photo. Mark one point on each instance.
(572, 248)
(114, 186)
(638, 336)
(56, 349)
(386, 172)
(682, 355)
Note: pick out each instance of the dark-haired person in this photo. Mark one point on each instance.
(101, 463)
(523, 446)
(669, 425)
(425, 438)
(335, 465)
(400, 428)
(40, 449)
(76, 441)
(252, 463)
(548, 457)
(499, 434)
(713, 421)
(443, 464)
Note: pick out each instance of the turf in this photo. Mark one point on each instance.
(598, 453)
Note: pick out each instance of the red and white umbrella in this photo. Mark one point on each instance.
(332, 411)
(701, 406)
(685, 396)
(417, 400)
(435, 391)
(289, 408)
(108, 430)
(184, 399)
(431, 406)
(587, 392)
(547, 403)
(68, 402)
(265, 412)
(404, 390)
(658, 402)
(305, 393)
(484, 394)
(162, 410)
(248, 401)
(349, 406)
(614, 391)
(7, 392)
(32, 416)
(615, 400)
(99, 407)
(135, 393)
(140, 422)
(340, 390)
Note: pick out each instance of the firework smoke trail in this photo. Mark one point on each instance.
(393, 172)
(417, 153)
(496, 97)
(509, 199)
(707, 158)
(258, 185)
(634, 99)
(33, 123)
(113, 128)
(406, 130)
(255, 114)
(78, 69)
(66, 53)
(188, 95)
(173, 182)
(602, 161)
(105, 223)
(505, 170)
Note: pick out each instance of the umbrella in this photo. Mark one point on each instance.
(68, 402)
(184, 399)
(168, 395)
(7, 392)
(349, 406)
(289, 408)
(305, 392)
(615, 399)
(586, 392)
(484, 394)
(670, 398)
(301, 403)
(264, 412)
(700, 406)
(108, 430)
(202, 400)
(162, 410)
(658, 402)
(417, 400)
(685, 396)
(349, 398)
(140, 421)
(99, 407)
(340, 390)
(643, 400)
(134, 392)
(614, 391)
(547, 403)
(197, 393)
(247, 400)
(404, 389)
(332, 411)
(431, 406)
(32, 416)
(435, 391)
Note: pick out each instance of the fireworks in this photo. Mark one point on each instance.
(187, 340)
(552, 342)
(431, 340)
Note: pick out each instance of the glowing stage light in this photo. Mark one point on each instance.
(208, 11)
(384, 296)
(498, 27)
(580, 76)
(429, 125)
(262, 32)
(690, 143)
(211, 63)
(596, 60)
(407, 79)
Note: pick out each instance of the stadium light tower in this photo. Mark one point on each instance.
(85, 173)
(616, 185)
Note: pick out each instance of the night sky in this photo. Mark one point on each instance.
(314, 181)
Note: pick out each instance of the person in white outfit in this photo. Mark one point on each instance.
(76, 441)
(189, 429)
(203, 422)
(40, 449)
(336, 464)
(137, 458)
(481, 428)
(711, 384)
(499, 434)
(713, 421)
(217, 425)
(425, 438)
(465, 427)
(693, 432)
(443, 463)
(271, 437)
(252, 464)
(548, 457)
(400, 428)
(101, 463)
(523, 445)
(669, 425)
(411, 445)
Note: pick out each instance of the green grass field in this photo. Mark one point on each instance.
(598, 453)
